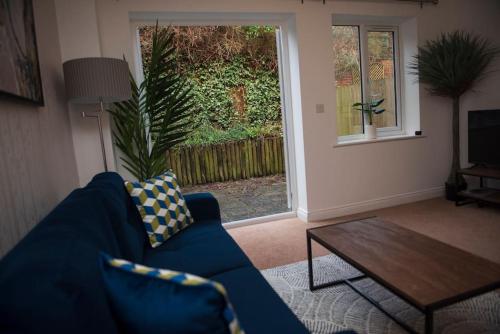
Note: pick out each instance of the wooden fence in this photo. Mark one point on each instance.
(349, 121)
(228, 161)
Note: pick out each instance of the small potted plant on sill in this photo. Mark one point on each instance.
(369, 109)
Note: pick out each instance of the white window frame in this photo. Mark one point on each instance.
(398, 70)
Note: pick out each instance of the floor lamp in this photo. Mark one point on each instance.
(97, 81)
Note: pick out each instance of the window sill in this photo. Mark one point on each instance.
(377, 140)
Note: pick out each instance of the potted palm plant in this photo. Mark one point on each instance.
(369, 109)
(159, 113)
(450, 66)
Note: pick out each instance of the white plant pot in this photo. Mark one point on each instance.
(370, 132)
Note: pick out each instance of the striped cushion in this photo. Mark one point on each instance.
(173, 302)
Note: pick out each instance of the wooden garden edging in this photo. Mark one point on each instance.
(227, 161)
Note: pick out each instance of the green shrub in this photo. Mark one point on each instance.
(234, 75)
(263, 99)
(207, 135)
(215, 105)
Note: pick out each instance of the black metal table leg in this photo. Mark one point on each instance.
(309, 262)
(312, 286)
(349, 282)
(381, 308)
(429, 322)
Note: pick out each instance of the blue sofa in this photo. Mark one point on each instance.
(51, 283)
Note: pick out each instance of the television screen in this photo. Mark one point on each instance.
(484, 137)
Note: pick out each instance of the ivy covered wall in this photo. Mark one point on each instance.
(234, 73)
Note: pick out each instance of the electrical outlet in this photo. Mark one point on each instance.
(320, 108)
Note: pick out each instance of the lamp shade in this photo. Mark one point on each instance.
(92, 80)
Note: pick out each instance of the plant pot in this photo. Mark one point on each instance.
(370, 132)
(452, 191)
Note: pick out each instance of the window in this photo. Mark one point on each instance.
(366, 69)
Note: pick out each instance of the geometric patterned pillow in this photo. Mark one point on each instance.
(162, 207)
(152, 300)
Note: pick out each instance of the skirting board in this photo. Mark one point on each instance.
(259, 220)
(372, 204)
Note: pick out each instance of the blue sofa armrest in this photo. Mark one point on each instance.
(203, 206)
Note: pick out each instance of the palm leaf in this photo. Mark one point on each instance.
(453, 63)
(157, 116)
(376, 103)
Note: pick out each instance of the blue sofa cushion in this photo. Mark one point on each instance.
(125, 219)
(162, 207)
(257, 304)
(203, 206)
(150, 300)
(53, 285)
(203, 249)
(50, 282)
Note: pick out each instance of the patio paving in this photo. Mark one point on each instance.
(243, 199)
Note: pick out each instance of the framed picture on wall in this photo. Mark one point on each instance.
(19, 65)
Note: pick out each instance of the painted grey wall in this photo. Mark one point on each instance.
(37, 160)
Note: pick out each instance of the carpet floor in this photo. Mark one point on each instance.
(470, 228)
(338, 308)
(281, 246)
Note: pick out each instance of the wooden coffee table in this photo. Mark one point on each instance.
(424, 272)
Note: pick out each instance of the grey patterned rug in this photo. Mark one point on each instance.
(338, 308)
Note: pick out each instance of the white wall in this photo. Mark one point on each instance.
(37, 162)
(340, 180)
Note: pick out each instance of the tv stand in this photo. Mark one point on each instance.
(483, 194)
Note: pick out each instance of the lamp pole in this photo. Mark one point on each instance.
(99, 124)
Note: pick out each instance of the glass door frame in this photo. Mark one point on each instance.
(282, 22)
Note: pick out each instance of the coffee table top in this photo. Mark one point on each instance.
(425, 271)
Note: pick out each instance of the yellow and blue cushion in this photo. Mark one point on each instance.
(150, 300)
(161, 205)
